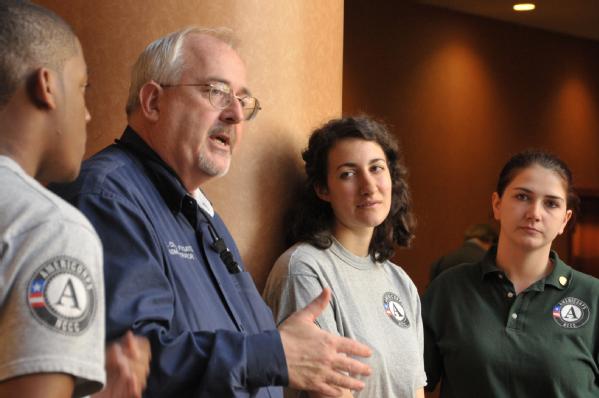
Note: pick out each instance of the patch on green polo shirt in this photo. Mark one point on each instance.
(571, 313)
(395, 310)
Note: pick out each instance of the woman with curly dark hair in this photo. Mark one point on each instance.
(354, 208)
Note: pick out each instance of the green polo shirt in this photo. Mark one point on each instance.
(482, 340)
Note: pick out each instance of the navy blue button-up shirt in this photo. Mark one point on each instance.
(211, 333)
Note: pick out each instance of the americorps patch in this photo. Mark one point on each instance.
(61, 295)
(571, 313)
(395, 310)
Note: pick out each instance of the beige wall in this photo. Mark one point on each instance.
(293, 51)
(463, 93)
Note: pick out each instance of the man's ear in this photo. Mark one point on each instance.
(322, 193)
(149, 100)
(42, 87)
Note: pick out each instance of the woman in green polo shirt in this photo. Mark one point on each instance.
(519, 323)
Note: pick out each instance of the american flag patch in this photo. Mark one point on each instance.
(36, 293)
(557, 311)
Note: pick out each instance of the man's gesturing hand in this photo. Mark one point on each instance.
(319, 361)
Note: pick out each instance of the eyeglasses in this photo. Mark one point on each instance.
(221, 96)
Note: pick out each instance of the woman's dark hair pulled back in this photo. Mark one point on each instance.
(547, 160)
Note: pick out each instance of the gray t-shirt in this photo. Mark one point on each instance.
(374, 303)
(51, 285)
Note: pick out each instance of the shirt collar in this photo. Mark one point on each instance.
(488, 265)
(203, 202)
(163, 176)
(560, 277)
(7, 161)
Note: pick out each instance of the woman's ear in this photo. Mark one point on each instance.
(322, 193)
(496, 204)
(149, 100)
(42, 87)
(567, 218)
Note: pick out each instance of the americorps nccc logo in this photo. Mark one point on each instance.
(571, 313)
(61, 295)
(395, 310)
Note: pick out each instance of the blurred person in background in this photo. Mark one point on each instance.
(478, 238)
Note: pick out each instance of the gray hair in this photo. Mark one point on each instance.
(31, 37)
(162, 60)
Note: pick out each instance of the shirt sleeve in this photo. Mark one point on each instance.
(433, 362)
(52, 317)
(416, 305)
(295, 288)
(435, 269)
(140, 297)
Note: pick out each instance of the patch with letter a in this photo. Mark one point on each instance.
(395, 310)
(61, 295)
(571, 313)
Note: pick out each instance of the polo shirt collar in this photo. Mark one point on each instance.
(488, 265)
(559, 278)
(561, 275)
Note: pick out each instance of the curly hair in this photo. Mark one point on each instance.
(313, 217)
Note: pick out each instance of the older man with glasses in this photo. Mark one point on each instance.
(173, 272)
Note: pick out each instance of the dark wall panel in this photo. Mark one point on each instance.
(463, 93)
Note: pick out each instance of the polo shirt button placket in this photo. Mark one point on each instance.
(516, 305)
(512, 322)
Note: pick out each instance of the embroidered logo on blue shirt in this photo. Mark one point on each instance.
(182, 251)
